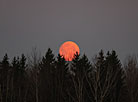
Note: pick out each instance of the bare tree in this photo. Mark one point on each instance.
(33, 62)
(131, 69)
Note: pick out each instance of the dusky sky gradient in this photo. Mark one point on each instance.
(92, 24)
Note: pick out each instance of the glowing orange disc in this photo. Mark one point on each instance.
(68, 50)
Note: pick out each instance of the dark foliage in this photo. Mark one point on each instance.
(52, 79)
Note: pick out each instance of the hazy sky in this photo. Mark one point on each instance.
(93, 24)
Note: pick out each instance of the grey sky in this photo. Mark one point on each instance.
(93, 24)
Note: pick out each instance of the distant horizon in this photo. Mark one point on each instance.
(27, 54)
(94, 25)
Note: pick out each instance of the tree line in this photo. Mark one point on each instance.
(52, 79)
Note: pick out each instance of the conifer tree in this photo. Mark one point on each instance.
(15, 65)
(117, 76)
(80, 67)
(107, 78)
(61, 72)
(4, 78)
(4, 67)
(23, 79)
(47, 69)
(19, 79)
(97, 79)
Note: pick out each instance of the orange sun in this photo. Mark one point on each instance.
(68, 50)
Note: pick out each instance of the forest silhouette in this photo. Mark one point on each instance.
(52, 79)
